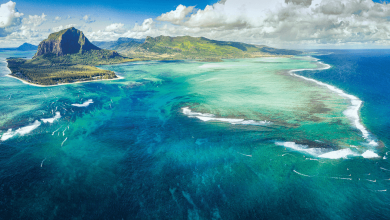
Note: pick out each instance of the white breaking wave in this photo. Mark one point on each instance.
(301, 147)
(338, 154)
(85, 104)
(340, 178)
(20, 131)
(325, 153)
(210, 117)
(369, 154)
(64, 141)
(352, 111)
(301, 173)
(51, 120)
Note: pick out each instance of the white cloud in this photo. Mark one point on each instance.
(147, 25)
(176, 16)
(24, 34)
(57, 19)
(9, 18)
(87, 19)
(35, 20)
(62, 27)
(280, 22)
(116, 28)
(102, 36)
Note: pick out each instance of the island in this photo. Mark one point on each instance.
(27, 47)
(23, 47)
(68, 56)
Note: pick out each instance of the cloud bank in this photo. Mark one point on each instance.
(280, 23)
(10, 18)
(34, 20)
(291, 23)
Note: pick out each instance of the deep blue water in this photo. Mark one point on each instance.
(133, 154)
(365, 74)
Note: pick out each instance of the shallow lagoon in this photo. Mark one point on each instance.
(134, 151)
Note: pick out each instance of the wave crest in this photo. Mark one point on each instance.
(210, 117)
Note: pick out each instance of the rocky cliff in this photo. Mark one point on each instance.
(68, 41)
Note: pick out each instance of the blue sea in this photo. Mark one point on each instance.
(304, 137)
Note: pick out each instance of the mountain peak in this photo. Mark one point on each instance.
(26, 47)
(64, 42)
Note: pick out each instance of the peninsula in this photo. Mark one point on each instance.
(187, 47)
(64, 57)
(68, 56)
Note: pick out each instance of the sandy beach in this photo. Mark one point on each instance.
(61, 84)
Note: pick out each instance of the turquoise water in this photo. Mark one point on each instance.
(181, 139)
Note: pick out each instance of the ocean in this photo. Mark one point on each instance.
(265, 138)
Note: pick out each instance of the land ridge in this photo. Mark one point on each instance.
(187, 47)
(68, 56)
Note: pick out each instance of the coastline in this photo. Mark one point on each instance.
(352, 112)
(62, 84)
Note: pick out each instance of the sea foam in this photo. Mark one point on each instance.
(301, 148)
(20, 131)
(51, 120)
(352, 112)
(210, 117)
(369, 154)
(85, 104)
(338, 154)
(325, 153)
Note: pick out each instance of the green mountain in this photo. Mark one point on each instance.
(27, 47)
(187, 47)
(68, 41)
(121, 42)
(65, 56)
(68, 56)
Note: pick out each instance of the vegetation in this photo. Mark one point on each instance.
(164, 47)
(92, 57)
(42, 72)
(66, 56)
(122, 42)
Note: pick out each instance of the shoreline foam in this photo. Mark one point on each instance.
(62, 84)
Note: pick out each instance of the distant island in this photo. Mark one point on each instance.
(23, 47)
(27, 47)
(68, 56)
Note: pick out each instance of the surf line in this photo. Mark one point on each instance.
(301, 173)
(64, 141)
(352, 112)
(247, 155)
(43, 161)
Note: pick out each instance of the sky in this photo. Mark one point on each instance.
(296, 24)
